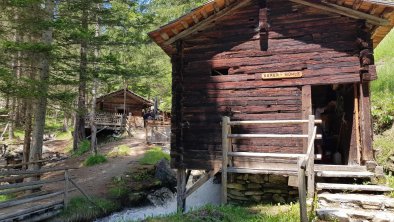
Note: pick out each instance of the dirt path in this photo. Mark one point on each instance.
(95, 179)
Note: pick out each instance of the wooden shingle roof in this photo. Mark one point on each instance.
(133, 95)
(379, 15)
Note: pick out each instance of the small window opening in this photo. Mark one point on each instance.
(219, 72)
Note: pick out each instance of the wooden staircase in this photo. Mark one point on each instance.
(303, 164)
(339, 199)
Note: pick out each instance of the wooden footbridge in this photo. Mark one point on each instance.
(32, 199)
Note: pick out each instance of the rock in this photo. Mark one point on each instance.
(257, 178)
(236, 186)
(257, 198)
(252, 193)
(276, 179)
(237, 197)
(278, 199)
(254, 186)
(332, 215)
(161, 197)
(236, 193)
(165, 174)
(136, 198)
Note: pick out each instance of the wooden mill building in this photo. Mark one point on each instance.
(274, 60)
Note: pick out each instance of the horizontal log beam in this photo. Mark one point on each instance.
(255, 136)
(273, 155)
(326, 6)
(237, 123)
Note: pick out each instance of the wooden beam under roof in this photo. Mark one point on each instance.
(345, 11)
(207, 22)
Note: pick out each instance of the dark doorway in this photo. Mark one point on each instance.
(334, 105)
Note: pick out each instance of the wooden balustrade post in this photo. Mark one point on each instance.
(66, 188)
(225, 148)
(311, 158)
(302, 191)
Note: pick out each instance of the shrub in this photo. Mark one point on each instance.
(83, 147)
(153, 156)
(95, 160)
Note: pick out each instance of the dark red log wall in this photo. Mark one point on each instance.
(282, 37)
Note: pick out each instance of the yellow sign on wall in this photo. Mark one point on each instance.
(282, 75)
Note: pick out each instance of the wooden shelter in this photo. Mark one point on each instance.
(259, 60)
(123, 101)
(119, 110)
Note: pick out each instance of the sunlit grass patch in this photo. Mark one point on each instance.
(153, 156)
(119, 151)
(95, 160)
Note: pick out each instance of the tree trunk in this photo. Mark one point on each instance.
(93, 126)
(28, 130)
(79, 132)
(41, 102)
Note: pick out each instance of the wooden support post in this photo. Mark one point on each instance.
(311, 162)
(66, 189)
(225, 146)
(302, 191)
(181, 189)
(366, 120)
(306, 111)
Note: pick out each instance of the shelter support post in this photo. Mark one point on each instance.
(181, 189)
(225, 147)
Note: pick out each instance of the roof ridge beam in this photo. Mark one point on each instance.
(345, 11)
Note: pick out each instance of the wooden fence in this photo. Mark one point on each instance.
(32, 199)
(305, 161)
(157, 132)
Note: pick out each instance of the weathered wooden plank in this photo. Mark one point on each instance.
(352, 187)
(225, 162)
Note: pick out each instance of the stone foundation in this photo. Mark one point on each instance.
(252, 188)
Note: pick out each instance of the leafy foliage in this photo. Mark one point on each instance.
(95, 160)
(153, 156)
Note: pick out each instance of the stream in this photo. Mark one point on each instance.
(209, 193)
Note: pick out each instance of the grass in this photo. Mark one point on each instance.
(83, 147)
(80, 209)
(386, 48)
(7, 197)
(64, 135)
(153, 156)
(95, 160)
(384, 143)
(122, 150)
(390, 181)
(229, 213)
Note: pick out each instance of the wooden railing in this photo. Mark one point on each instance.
(47, 202)
(107, 119)
(305, 161)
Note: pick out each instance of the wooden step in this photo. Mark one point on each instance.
(345, 174)
(341, 214)
(323, 167)
(377, 201)
(352, 187)
(283, 172)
